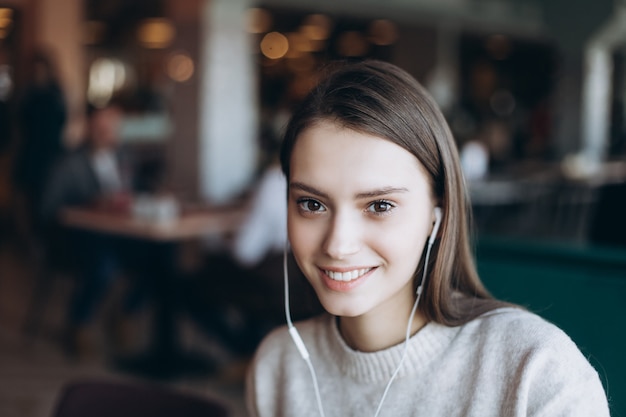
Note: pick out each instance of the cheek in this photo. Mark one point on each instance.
(304, 236)
(305, 240)
(400, 247)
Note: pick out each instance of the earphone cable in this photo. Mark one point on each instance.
(286, 283)
(408, 332)
(304, 353)
(297, 339)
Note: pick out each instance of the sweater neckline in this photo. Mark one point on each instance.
(423, 347)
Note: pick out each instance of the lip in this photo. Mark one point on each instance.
(344, 286)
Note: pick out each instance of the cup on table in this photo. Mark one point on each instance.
(159, 209)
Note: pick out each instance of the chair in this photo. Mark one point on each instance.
(110, 398)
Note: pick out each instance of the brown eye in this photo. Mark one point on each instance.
(310, 205)
(380, 207)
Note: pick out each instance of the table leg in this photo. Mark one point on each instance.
(165, 357)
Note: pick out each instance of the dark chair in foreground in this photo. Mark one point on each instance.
(100, 398)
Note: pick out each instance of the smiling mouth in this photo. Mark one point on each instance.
(347, 275)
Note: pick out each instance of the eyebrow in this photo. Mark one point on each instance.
(382, 191)
(368, 194)
(307, 188)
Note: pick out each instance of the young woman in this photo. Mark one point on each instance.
(377, 221)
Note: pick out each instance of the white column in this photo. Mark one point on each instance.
(443, 80)
(597, 84)
(228, 102)
(596, 101)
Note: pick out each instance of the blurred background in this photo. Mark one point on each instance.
(533, 90)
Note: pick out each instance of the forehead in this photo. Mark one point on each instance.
(328, 155)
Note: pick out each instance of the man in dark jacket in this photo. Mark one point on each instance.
(94, 174)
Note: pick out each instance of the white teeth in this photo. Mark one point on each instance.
(347, 276)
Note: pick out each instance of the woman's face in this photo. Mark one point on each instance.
(359, 213)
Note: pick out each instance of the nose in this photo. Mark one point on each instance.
(343, 237)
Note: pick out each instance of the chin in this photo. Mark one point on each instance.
(342, 309)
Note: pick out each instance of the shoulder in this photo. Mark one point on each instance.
(279, 344)
(538, 359)
(73, 161)
(277, 363)
(524, 340)
(505, 317)
(516, 332)
(526, 329)
(277, 352)
(274, 343)
(74, 156)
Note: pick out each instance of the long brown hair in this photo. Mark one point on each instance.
(380, 99)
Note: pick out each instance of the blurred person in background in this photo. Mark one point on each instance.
(42, 116)
(265, 229)
(246, 302)
(257, 248)
(95, 174)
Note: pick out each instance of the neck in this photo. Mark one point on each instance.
(375, 332)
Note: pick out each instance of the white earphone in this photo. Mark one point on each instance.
(297, 339)
(438, 216)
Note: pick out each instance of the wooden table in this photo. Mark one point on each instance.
(190, 224)
(165, 358)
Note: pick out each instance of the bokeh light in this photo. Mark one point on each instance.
(156, 33)
(352, 44)
(316, 27)
(6, 21)
(106, 76)
(383, 32)
(274, 45)
(180, 67)
(258, 20)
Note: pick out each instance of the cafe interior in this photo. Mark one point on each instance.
(533, 91)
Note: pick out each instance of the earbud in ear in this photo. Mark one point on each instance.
(438, 216)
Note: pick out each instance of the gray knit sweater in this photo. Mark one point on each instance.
(505, 363)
